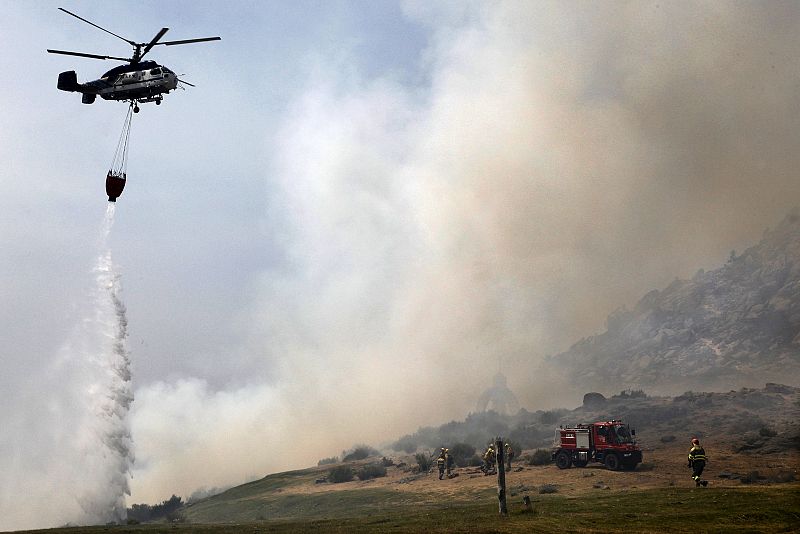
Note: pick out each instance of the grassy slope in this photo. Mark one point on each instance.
(745, 509)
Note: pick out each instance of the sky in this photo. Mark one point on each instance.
(359, 210)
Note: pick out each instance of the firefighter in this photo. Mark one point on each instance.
(488, 461)
(441, 462)
(509, 456)
(697, 461)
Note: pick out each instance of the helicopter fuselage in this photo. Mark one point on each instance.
(146, 81)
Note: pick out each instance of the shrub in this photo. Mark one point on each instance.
(387, 462)
(667, 439)
(751, 477)
(359, 452)
(474, 461)
(548, 488)
(371, 471)
(767, 432)
(423, 461)
(328, 461)
(461, 453)
(540, 457)
(340, 473)
(782, 476)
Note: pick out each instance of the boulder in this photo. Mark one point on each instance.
(594, 401)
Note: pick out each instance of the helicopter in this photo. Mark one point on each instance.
(137, 82)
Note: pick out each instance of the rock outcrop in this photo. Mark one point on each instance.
(735, 326)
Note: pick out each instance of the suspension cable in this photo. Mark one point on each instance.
(119, 164)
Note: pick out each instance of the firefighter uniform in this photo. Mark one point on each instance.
(440, 463)
(488, 460)
(697, 461)
(448, 462)
(509, 456)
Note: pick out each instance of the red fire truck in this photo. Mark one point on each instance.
(610, 442)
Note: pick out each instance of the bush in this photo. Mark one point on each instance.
(328, 461)
(359, 452)
(371, 471)
(751, 477)
(423, 461)
(548, 488)
(767, 432)
(341, 473)
(783, 476)
(474, 461)
(387, 462)
(462, 453)
(540, 457)
(166, 510)
(667, 439)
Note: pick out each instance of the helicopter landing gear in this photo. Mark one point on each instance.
(135, 108)
(158, 101)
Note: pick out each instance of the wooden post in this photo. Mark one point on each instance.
(501, 475)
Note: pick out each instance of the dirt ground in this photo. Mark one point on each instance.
(664, 466)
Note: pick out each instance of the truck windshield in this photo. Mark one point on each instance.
(623, 434)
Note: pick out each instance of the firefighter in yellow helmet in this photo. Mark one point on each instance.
(697, 461)
(441, 461)
(488, 460)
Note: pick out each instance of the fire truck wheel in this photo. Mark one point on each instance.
(563, 461)
(581, 463)
(612, 462)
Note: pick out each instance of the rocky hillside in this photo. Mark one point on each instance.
(735, 326)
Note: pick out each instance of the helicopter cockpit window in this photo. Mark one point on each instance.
(155, 71)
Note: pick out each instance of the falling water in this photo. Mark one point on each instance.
(106, 441)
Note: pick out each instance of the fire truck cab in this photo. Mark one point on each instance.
(609, 442)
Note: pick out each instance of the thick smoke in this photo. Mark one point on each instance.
(562, 160)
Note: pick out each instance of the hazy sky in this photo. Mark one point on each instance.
(360, 208)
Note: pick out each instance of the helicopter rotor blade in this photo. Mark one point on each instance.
(187, 41)
(153, 42)
(187, 83)
(96, 26)
(81, 54)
